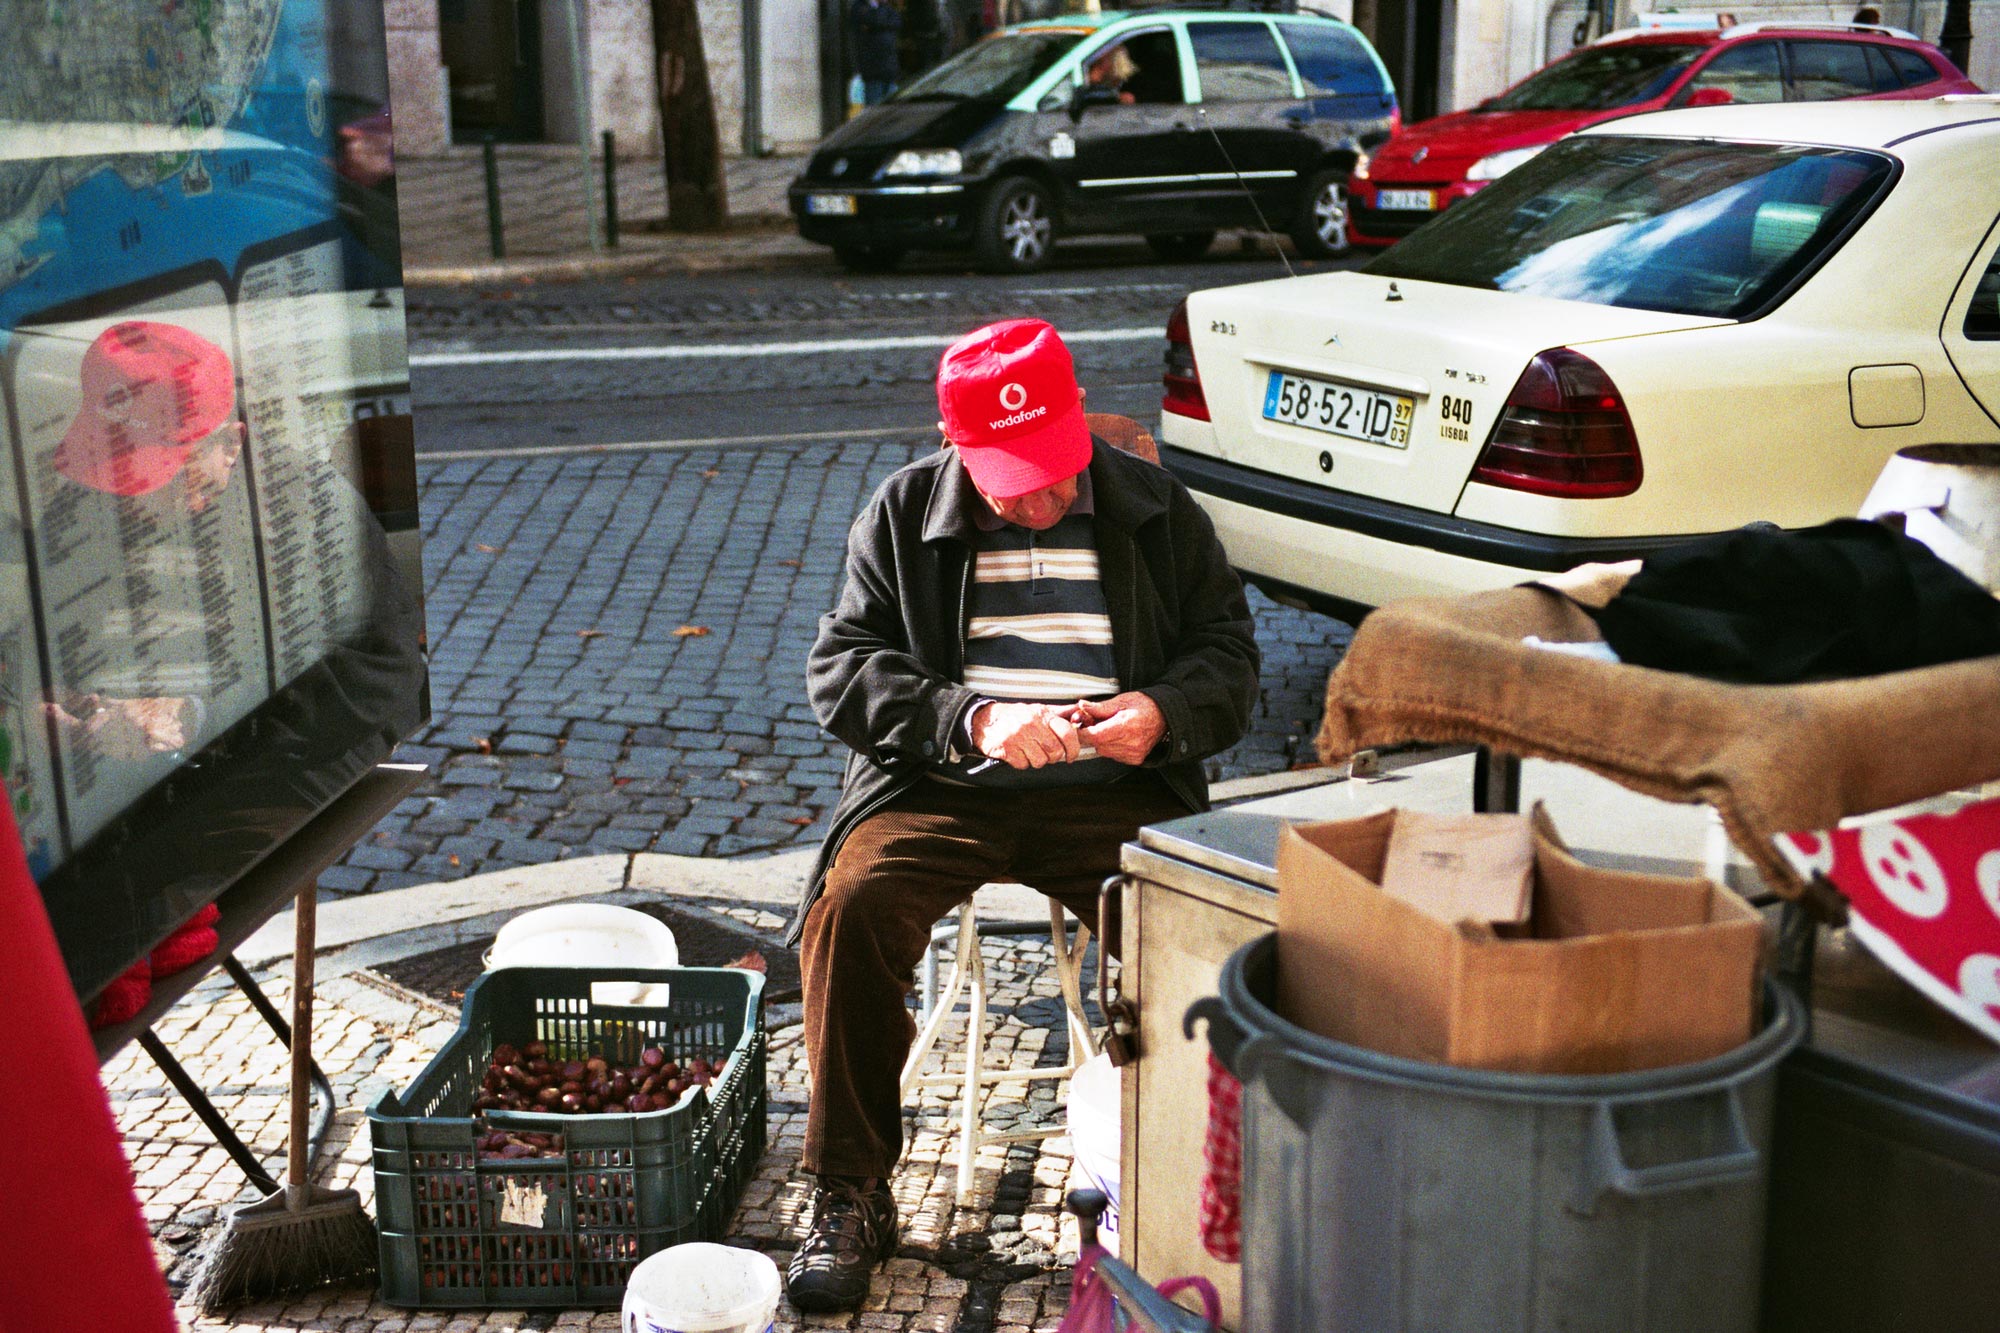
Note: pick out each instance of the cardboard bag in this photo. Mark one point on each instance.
(1616, 970)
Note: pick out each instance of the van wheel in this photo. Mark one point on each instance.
(1178, 247)
(1320, 231)
(1017, 227)
(868, 258)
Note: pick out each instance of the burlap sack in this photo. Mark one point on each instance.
(1769, 758)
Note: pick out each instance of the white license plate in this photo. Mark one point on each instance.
(840, 204)
(1339, 409)
(1420, 201)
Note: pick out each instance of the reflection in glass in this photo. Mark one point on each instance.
(209, 614)
(1689, 227)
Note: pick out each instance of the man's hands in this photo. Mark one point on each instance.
(1024, 735)
(1124, 728)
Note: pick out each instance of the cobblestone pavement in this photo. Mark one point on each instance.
(618, 647)
(996, 1264)
(442, 200)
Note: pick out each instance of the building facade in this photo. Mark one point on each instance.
(463, 70)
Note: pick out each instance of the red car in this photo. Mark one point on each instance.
(1428, 166)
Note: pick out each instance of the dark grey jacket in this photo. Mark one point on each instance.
(883, 674)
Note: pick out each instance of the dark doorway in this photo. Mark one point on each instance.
(492, 52)
(1409, 34)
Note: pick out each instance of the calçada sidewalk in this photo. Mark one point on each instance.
(546, 230)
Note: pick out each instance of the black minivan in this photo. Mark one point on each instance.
(1172, 124)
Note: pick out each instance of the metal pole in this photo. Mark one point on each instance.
(610, 190)
(579, 82)
(494, 236)
(753, 78)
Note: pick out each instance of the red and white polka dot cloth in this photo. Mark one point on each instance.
(1924, 897)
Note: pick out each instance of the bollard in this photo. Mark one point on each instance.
(610, 190)
(493, 232)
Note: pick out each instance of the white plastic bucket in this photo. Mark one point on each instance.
(702, 1288)
(596, 935)
(1094, 1108)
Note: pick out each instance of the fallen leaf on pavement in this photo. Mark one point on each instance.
(793, 564)
(453, 860)
(590, 634)
(711, 472)
(800, 820)
(690, 631)
(482, 744)
(752, 961)
(482, 546)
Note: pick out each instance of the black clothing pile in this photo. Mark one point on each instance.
(1765, 606)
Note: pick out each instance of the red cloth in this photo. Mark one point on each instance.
(124, 997)
(194, 941)
(77, 1253)
(1222, 1163)
(1924, 896)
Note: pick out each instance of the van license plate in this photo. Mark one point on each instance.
(1406, 201)
(833, 204)
(1339, 409)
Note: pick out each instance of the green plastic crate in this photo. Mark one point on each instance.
(625, 1186)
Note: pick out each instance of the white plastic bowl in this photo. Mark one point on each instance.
(584, 935)
(702, 1288)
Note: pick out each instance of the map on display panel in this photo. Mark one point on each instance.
(193, 326)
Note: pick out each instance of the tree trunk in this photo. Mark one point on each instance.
(1365, 18)
(696, 197)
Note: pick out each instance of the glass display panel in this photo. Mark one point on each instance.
(210, 615)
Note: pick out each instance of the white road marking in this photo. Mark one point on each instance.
(664, 446)
(709, 351)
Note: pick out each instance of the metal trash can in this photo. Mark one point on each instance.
(1383, 1194)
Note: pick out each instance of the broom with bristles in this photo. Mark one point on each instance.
(302, 1236)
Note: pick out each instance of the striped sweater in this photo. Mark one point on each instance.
(1038, 631)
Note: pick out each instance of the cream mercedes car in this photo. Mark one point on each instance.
(1664, 326)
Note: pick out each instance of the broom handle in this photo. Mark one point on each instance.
(297, 1187)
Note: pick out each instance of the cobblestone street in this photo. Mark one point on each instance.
(996, 1263)
(618, 643)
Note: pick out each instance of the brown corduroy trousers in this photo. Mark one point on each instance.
(900, 871)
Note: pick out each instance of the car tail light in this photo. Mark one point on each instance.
(1564, 431)
(1183, 378)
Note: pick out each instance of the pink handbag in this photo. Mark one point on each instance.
(1105, 1296)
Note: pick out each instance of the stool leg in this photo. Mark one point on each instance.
(1069, 973)
(927, 984)
(975, 1063)
(967, 948)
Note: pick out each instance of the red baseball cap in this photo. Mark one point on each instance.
(151, 392)
(1007, 394)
